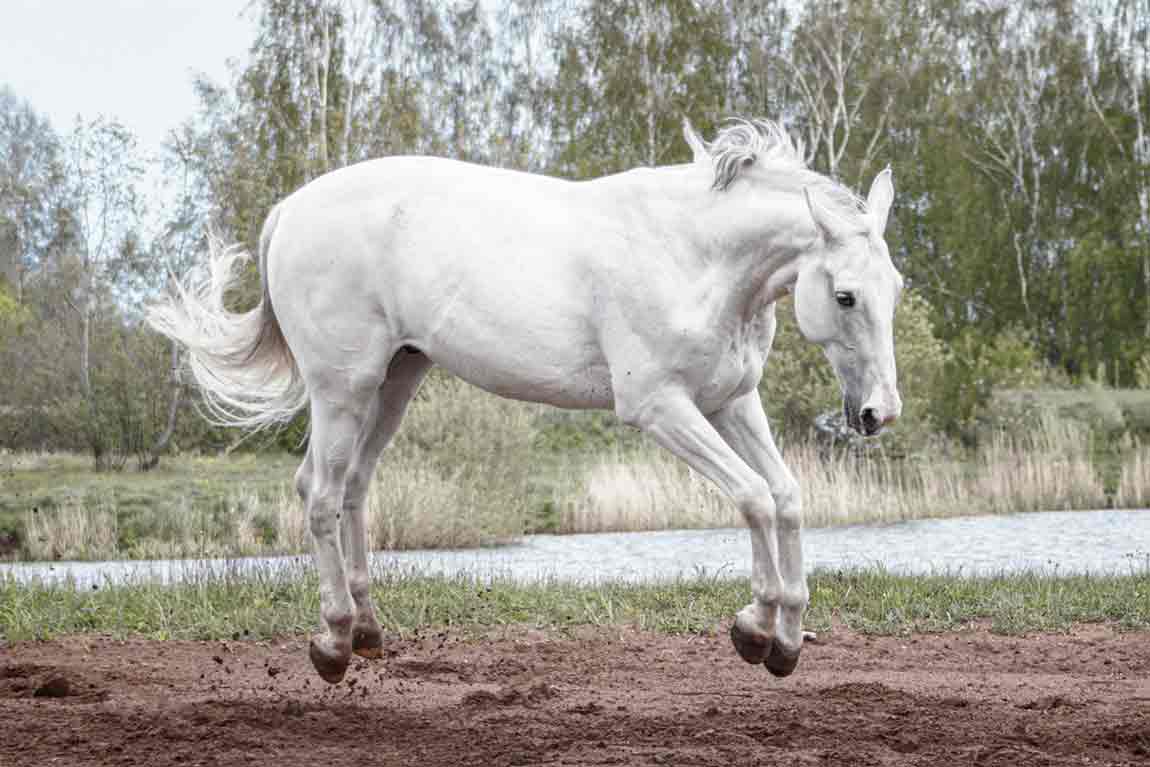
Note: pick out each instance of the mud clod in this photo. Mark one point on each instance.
(54, 686)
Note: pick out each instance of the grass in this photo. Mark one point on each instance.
(870, 601)
(470, 469)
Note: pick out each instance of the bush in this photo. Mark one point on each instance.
(1107, 413)
(975, 367)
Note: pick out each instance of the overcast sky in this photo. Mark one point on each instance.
(128, 59)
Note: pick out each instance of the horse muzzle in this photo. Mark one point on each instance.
(871, 418)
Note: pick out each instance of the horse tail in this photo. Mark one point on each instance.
(241, 361)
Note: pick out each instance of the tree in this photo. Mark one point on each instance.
(31, 192)
(104, 170)
(625, 77)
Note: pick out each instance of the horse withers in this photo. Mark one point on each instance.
(650, 292)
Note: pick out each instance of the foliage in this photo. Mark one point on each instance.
(1110, 414)
(974, 367)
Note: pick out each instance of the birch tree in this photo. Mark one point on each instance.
(32, 192)
(1120, 93)
(104, 170)
(829, 75)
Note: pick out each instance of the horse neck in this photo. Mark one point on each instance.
(763, 253)
(758, 255)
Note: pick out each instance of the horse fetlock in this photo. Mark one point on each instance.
(768, 591)
(338, 618)
(360, 588)
(795, 596)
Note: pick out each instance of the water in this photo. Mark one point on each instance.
(1066, 542)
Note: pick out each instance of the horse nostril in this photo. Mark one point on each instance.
(870, 421)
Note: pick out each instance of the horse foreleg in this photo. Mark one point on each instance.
(676, 423)
(743, 425)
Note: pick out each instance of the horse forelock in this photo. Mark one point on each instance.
(766, 143)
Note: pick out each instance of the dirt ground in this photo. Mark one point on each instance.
(597, 698)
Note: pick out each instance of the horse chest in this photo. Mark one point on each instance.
(736, 362)
(735, 372)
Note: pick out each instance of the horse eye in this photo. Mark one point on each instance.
(845, 299)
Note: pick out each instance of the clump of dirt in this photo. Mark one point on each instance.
(25, 680)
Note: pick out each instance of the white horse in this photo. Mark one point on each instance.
(650, 292)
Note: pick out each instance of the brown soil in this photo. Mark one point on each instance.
(624, 698)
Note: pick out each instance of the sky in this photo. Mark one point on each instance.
(129, 59)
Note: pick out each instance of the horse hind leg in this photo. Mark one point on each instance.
(404, 375)
(338, 420)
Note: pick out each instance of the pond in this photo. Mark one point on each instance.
(1064, 542)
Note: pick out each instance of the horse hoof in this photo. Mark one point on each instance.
(367, 643)
(330, 668)
(780, 662)
(751, 648)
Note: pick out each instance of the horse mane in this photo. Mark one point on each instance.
(743, 142)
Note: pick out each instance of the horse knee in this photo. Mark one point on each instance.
(789, 506)
(757, 505)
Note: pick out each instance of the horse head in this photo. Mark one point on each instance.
(845, 296)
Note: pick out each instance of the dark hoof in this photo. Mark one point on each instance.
(367, 643)
(781, 663)
(330, 669)
(751, 648)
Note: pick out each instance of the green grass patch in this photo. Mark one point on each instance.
(270, 605)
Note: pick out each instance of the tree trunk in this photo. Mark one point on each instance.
(153, 458)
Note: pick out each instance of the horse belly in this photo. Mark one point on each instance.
(533, 348)
(526, 372)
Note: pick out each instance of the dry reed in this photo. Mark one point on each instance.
(1134, 481)
(74, 530)
(1047, 469)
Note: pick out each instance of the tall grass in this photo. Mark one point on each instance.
(76, 530)
(1049, 468)
(1134, 481)
(645, 490)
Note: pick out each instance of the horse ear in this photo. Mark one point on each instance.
(698, 148)
(830, 226)
(879, 199)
